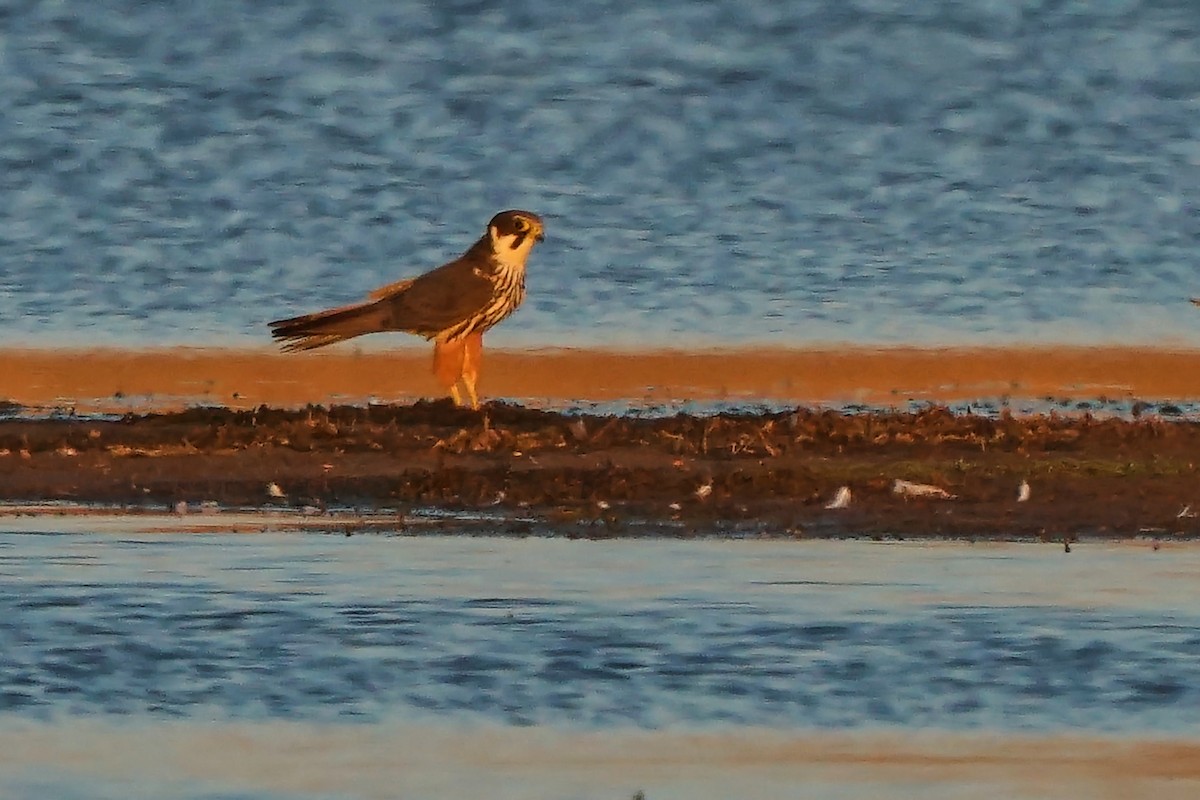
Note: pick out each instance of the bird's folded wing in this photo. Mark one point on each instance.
(439, 300)
(391, 288)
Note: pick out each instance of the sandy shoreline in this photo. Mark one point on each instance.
(283, 757)
(115, 379)
(244, 440)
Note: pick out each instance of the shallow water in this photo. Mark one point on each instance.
(287, 642)
(711, 173)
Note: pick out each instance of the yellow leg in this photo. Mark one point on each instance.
(448, 366)
(472, 359)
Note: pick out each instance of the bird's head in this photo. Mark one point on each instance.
(515, 231)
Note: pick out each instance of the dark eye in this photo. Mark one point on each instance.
(521, 225)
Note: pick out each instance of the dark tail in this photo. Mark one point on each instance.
(329, 327)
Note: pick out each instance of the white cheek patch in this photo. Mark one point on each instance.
(506, 242)
(511, 251)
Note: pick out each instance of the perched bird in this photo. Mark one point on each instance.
(453, 305)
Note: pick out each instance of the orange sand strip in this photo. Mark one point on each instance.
(138, 379)
(388, 759)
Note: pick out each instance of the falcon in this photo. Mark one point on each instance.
(453, 305)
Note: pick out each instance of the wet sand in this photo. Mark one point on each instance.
(108, 379)
(520, 470)
(377, 761)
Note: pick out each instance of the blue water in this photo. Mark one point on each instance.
(303, 666)
(598, 635)
(711, 173)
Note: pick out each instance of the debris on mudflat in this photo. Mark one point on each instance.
(732, 469)
(841, 499)
(1023, 492)
(909, 489)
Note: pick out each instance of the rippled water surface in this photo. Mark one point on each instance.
(327, 639)
(712, 173)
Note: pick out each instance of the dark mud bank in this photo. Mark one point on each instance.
(594, 475)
